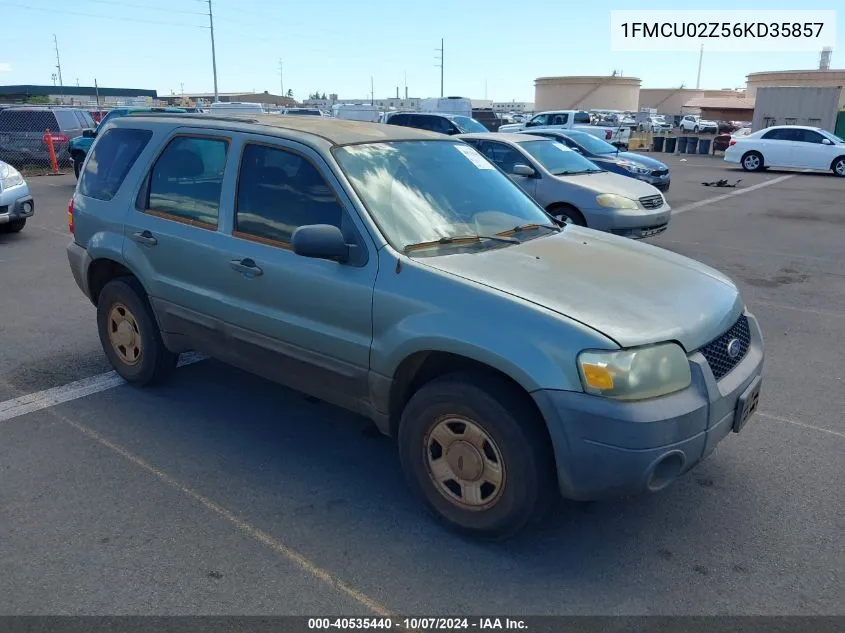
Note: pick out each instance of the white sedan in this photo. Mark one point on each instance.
(789, 146)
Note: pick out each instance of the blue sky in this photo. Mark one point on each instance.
(337, 45)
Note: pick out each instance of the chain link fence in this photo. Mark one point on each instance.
(37, 139)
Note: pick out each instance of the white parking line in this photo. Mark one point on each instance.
(801, 424)
(725, 196)
(31, 402)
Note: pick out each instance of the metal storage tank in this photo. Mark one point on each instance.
(586, 93)
(796, 78)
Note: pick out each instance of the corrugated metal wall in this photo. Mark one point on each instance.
(817, 107)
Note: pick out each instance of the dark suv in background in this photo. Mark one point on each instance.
(22, 132)
(436, 122)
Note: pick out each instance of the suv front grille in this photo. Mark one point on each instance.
(659, 172)
(716, 351)
(652, 202)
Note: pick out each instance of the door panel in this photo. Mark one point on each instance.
(176, 248)
(302, 321)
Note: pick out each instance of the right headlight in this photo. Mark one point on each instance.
(9, 176)
(615, 201)
(635, 374)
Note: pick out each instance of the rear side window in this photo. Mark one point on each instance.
(67, 119)
(28, 121)
(775, 135)
(111, 158)
(582, 117)
(187, 179)
(398, 119)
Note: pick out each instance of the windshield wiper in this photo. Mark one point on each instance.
(529, 227)
(458, 239)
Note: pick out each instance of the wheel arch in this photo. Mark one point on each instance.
(421, 367)
(104, 269)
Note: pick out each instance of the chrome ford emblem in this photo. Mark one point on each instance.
(734, 348)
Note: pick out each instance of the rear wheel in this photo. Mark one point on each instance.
(752, 161)
(77, 167)
(129, 333)
(15, 226)
(564, 212)
(476, 453)
(838, 167)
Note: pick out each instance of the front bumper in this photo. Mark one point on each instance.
(16, 203)
(605, 448)
(634, 223)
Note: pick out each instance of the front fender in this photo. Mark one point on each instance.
(426, 309)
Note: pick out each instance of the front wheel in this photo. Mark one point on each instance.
(474, 450)
(839, 167)
(15, 226)
(752, 161)
(565, 212)
(129, 334)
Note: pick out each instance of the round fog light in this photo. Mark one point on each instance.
(27, 207)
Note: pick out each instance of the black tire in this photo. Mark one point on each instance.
(494, 405)
(838, 167)
(155, 363)
(77, 167)
(695, 130)
(749, 163)
(13, 226)
(564, 211)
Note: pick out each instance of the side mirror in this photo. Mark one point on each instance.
(523, 170)
(320, 241)
(827, 141)
(89, 133)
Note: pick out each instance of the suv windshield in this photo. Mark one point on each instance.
(592, 144)
(467, 124)
(559, 159)
(424, 191)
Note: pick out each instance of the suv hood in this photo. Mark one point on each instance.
(631, 292)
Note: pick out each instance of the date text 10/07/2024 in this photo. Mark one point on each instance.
(419, 624)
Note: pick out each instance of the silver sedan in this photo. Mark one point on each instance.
(573, 188)
(16, 203)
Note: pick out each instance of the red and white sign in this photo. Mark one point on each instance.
(56, 138)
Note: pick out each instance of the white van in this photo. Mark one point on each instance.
(447, 105)
(236, 107)
(356, 112)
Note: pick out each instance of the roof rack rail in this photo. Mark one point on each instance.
(195, 115)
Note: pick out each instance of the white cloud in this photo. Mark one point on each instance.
(5, 67)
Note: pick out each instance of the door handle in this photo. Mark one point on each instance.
(246, 266)
(144, 237)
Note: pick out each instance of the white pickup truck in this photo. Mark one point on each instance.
(572, 120)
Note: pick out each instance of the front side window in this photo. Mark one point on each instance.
(186, 180)
(809, 136)
(279, 191)
(558, 159)
(423, 191)
(111, 159)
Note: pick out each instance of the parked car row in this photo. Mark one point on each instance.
(515, 357)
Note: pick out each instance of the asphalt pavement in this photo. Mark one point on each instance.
(221, 493)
